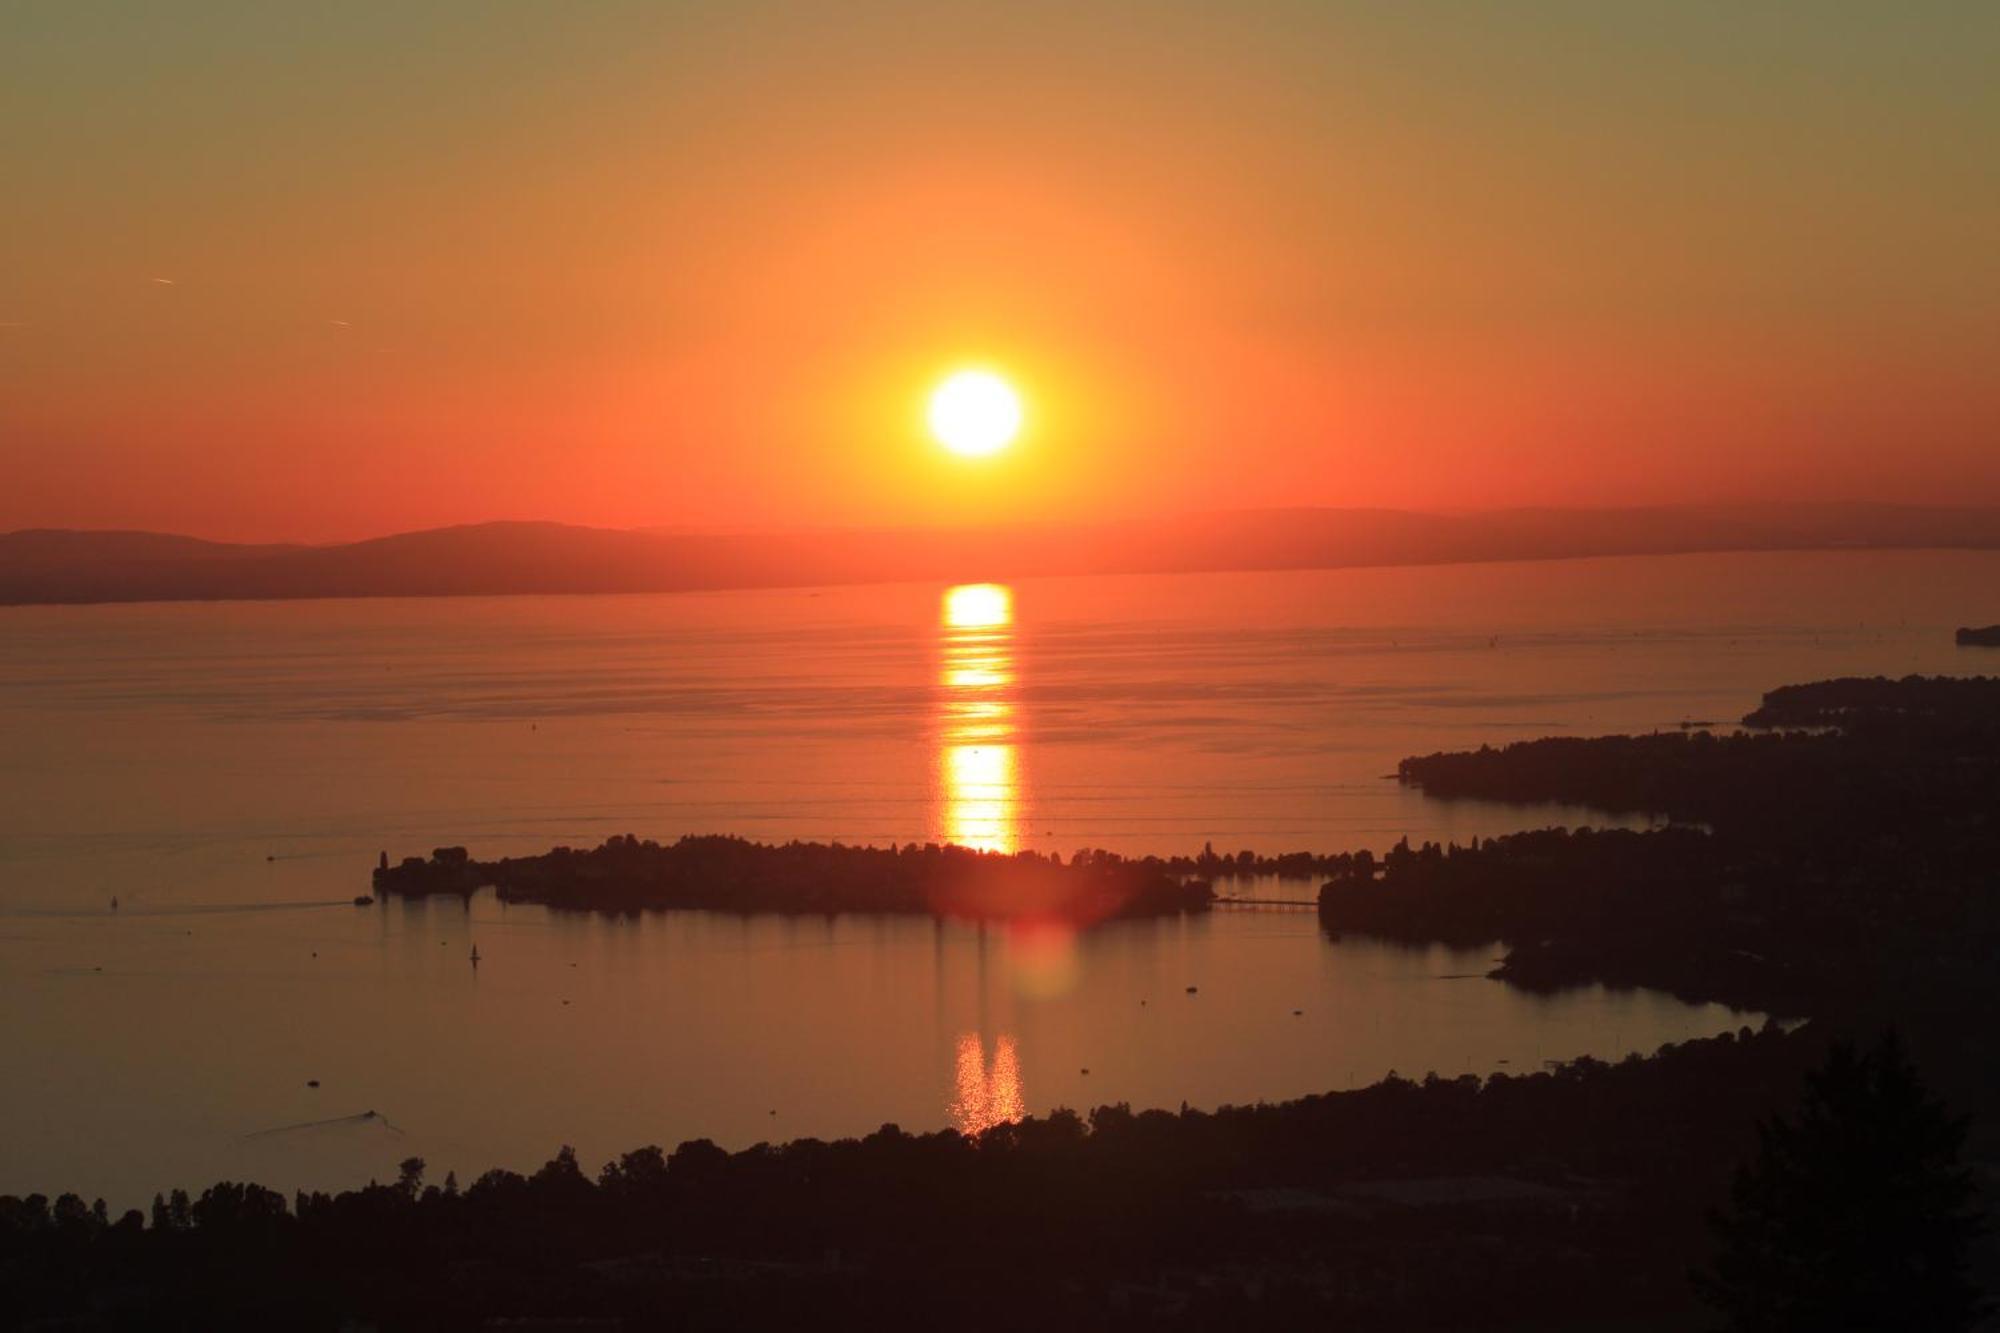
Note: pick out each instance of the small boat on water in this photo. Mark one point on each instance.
(475, 955)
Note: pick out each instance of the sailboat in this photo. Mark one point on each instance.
(475, 955)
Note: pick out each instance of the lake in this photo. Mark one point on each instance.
(230, 772)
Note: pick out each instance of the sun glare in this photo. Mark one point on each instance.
(978, 605)
(975, 413)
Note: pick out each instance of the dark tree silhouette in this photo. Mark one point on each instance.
(1855, 1214)
(410, 1177)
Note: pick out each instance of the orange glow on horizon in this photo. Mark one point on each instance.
(1266, 254)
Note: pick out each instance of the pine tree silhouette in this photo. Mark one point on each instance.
(1855, 1214)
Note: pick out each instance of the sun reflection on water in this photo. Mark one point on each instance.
(986, 1095)
(978, 778)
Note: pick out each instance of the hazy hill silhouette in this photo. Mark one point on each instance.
(47, 565)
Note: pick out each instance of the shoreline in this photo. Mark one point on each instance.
(1842, 871)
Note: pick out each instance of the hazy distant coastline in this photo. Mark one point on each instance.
(72, 566)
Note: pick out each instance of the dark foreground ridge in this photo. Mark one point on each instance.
(1571, 1194)
(1583, 1196)
(736, 875)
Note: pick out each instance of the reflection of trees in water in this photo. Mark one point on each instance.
(987, 1096)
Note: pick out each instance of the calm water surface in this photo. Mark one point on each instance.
(230, 772)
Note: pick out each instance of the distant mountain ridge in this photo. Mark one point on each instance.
(68, 566)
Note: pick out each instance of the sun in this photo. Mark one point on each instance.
(975, 413)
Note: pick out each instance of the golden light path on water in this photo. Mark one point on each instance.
(979, 805)
(979, 777)
(988, 1095)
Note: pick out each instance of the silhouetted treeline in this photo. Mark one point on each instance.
(736, 875)
(1857, 1211)
(1211, 864)
(1831, 861)
(1845, 871)
(1950, 704)
(1549, 1199)
(1877, 754)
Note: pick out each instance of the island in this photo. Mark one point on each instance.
(1985, 636)
(730, 874)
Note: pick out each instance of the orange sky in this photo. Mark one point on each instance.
(632, 264)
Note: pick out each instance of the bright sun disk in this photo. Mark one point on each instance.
(975, 413)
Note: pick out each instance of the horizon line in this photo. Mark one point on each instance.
(1709, 508)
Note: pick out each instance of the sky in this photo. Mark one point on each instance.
(316, 272)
